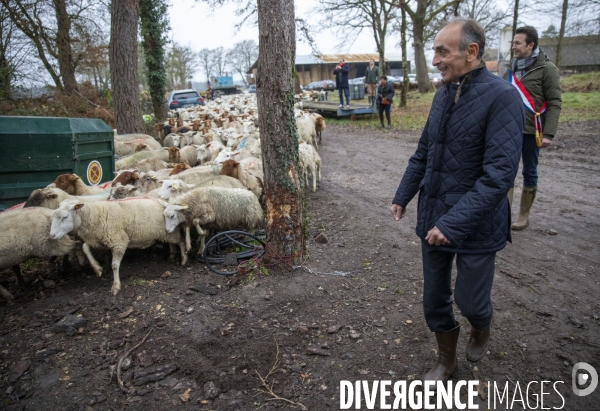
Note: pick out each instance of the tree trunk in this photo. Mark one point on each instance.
(420, 60)
(514, 25)
(123, 66)
(561, 34)
(283, 191)
(405, 82)
(152, 14)
(63, 46)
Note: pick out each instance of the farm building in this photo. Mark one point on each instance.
(311, 68)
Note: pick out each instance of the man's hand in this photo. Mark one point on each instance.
(436, 237)
(397, 211)
(546, 142)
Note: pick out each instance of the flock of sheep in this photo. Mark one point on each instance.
(205, 171)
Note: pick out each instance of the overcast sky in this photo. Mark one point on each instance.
(202, 27)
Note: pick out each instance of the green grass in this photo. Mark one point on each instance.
(412, 117)
(576, 106)
(580, 106)
(581, 82)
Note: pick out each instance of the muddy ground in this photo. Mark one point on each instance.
(353, 313)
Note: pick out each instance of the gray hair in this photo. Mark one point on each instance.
(472, 32)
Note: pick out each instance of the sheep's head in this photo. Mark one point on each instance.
(173, 215)
(178, 168)
(174, 156)
(40, 196)
(64, 218)
(140, 147)
(126, 177)
(66, 182)
(230, 168)
(119, 191)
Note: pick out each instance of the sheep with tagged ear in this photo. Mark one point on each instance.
(52, 197)
(115, 225)
(211, 208)
(149, 181)
(208, 152)
(172, 140)
(25, 234)
(119, 192)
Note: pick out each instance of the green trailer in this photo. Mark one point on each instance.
(35, 150)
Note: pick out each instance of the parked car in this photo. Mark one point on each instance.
(435, 77)
(251, 89)
(394, 79)
(184, 98)
(328, 85)
(412, 78)
(312, 86)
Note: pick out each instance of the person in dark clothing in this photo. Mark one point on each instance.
(341, 82)
(385, 95)
(371, 80)
(465, 163)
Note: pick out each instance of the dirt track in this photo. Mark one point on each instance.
(545, 297)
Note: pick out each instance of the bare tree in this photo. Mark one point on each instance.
(219, 61)
(422, 14)
(279, 136)
(561, 33)
(491, 17)
(403, 46)
(242, 56)
(123, 66)
(205, 57)
(15, 50)
(182, 63)
(354, 16)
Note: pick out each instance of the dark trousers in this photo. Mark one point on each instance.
(531, 155)
(346, 91)
(472, 291)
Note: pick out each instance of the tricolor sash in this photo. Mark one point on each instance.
(529, 106)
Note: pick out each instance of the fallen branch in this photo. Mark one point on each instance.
(269, 388)
(119, 379)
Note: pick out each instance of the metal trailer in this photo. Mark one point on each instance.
(223, 85)
(35, 150)
(332, 108)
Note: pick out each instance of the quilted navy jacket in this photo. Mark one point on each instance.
(465, 163)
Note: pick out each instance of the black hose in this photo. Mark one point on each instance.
(214, 250)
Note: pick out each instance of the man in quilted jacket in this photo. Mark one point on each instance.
(539, 81)
(465, 163)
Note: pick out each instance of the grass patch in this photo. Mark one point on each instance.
(580, 106)
(576, 106)
(581, 83)
(412, 117)
(134, 282)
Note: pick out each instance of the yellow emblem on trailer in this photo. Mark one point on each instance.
(94, 172)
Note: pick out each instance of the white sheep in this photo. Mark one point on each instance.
(248, 171)
(307, 131)
(150, 164)
(310, 161)
(176, 187)
(116, 225)
(208, 152)
(127, 162)
(214, 209)
(199, 174)
(25, 234)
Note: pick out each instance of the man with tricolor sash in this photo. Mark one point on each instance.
(537, 80)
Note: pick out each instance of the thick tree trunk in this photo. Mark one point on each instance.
(420, 60)
(275, 95)
(381, 50)
(123, 66)
(405, 81)
(63, 46)
(561, 34)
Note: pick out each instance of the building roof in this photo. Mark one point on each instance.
(334, 58)
(576, 51)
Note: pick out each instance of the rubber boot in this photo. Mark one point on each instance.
(478, 344)
(447, 362)
(387, 116)
(510, 195)
(527, 197)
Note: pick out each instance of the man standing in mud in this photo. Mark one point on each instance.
(464, 165)
(537, 80)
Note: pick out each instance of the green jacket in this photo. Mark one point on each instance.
(542, 82)
(372, 76)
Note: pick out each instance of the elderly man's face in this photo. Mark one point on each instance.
(450, 61)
